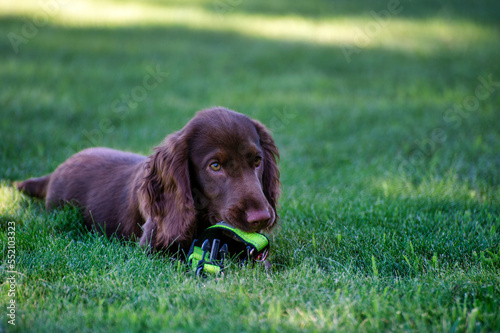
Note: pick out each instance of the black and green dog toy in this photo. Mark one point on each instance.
(221, 241)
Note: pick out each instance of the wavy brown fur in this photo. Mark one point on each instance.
(168, 198)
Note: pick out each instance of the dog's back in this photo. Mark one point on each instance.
(103, 181)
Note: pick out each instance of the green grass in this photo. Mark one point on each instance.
(391, 196)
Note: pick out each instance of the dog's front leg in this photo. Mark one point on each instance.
(148, 234)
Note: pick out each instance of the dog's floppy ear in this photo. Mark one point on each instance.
(271, 176)
(167, 192)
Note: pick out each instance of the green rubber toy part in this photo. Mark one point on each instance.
(200, 264)
(196, 257)
(259, 241)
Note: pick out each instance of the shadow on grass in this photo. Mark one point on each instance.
(404, 237)
(384, 102)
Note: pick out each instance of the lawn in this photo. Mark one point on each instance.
(387, 117)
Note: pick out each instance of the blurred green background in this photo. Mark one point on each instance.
(345, 85)
(386, 113)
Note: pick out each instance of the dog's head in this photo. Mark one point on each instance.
(222, 166)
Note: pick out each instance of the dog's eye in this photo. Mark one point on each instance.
(215, 166)
(257, 161)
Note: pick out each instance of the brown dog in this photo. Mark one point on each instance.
(220, 167)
